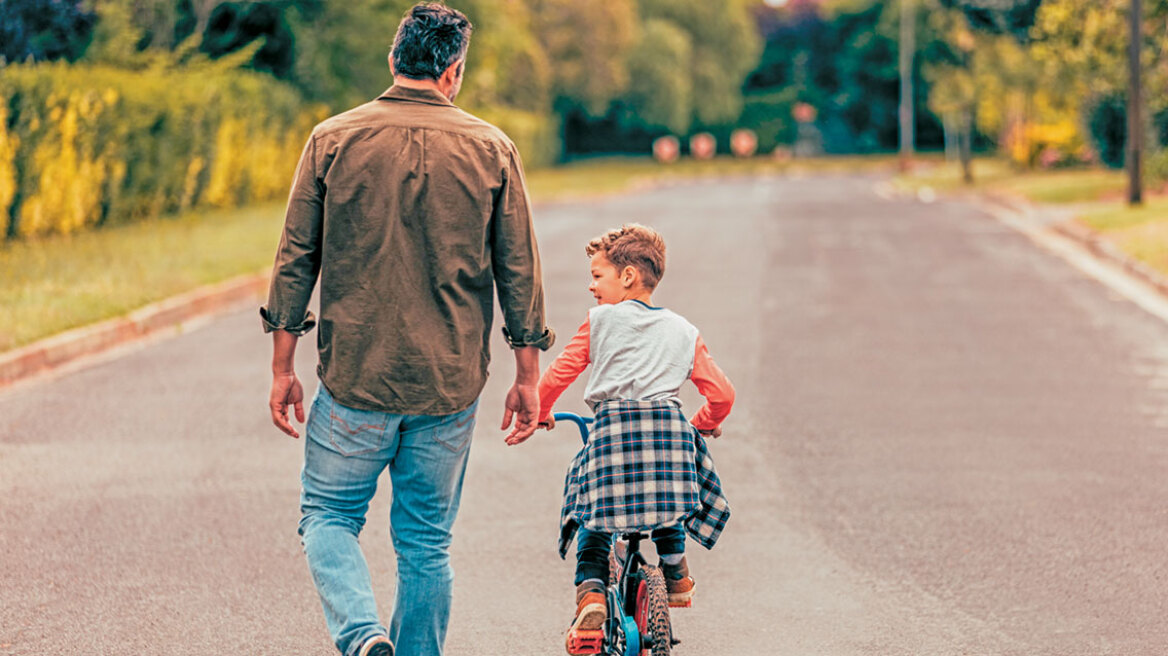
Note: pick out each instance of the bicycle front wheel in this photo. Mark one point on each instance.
(652, 613)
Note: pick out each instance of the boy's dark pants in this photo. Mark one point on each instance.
(592, 549)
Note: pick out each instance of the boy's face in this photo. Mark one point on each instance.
(608, 285)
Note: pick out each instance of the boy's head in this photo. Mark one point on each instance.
(627, 262)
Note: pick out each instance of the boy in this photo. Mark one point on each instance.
(644, 466)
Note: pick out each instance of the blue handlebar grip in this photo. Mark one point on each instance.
(581, 422)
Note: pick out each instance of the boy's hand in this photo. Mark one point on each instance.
(714, 433)
(548, 424)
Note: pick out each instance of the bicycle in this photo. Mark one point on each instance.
(638, 621)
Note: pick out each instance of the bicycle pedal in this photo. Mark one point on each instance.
(688, 603)
(585, 642)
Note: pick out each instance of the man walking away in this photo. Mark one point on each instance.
(412, 212)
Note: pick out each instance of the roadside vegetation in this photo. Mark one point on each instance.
(1093, 195)
(58, 282)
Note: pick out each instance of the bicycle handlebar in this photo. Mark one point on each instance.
(581, 422)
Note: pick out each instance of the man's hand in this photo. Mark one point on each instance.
(522, 404)
(714, 433)
(286, 391)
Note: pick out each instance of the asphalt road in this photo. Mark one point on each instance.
(947, 441)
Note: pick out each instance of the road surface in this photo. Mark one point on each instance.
(947, 441)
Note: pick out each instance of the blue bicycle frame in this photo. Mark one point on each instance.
(622, 595)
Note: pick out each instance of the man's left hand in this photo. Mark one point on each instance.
(522, 404)
(286, 391)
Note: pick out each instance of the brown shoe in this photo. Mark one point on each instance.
(679, 584)
(591, 612)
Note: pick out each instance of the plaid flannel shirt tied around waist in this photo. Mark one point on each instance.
(644, 467)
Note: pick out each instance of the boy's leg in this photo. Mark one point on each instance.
(670, 544)
(427, 471)
(592, 549)
(344, 453)
(669, 541)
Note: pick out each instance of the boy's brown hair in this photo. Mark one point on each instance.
(633, 245)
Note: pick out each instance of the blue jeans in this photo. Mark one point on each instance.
(345, 451)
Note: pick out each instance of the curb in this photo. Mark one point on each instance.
(1092, 241)
(53, 352)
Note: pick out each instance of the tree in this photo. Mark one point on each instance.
(725, 46)
(589, 42)
(44, 30)
(661, 93)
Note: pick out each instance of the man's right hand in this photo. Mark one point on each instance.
(286, 391)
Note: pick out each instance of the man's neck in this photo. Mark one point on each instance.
(411, 83)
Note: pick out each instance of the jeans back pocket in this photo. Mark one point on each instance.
(355, 432)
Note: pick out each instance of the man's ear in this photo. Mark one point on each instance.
(452, 73)
(391, 69)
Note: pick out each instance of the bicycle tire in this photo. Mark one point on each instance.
(653, 612)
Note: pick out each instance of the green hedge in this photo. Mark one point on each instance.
(82, 146)
(85, 146)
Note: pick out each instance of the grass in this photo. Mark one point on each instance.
(1140, 232)
(1063, 186)
(57, 283)
(1097, 195)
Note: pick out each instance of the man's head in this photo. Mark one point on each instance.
(625, 262)
(431, 45)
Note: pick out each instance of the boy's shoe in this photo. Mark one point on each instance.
(679, 584)
(376, 646)
(591, 612)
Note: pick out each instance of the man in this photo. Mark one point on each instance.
(413, 212)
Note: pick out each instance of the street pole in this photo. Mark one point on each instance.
(907, 47)
(1135, 131)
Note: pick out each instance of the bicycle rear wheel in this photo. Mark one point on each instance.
(652, 613)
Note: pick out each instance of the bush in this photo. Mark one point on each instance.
(83, 146)
(537, 136)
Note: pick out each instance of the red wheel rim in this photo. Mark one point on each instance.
(641, 612)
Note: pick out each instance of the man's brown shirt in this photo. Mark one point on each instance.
(412, 211)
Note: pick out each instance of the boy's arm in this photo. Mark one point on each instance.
(564, 370)
(713, 385)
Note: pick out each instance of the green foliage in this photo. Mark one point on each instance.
(724, 47)
(506, 64)
(89, 145)
(769, 115)
(661, 92)
(1011, 17)
(841, 59)
(44, 30)
(589, 41)
(536, 135)
(341, 50)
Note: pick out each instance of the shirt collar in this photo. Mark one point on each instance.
(425, 96)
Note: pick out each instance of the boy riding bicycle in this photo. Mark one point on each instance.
(645, 466)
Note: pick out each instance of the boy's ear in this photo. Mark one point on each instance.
(630, 276)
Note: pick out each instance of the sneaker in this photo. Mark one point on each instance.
(591, 612)
(376, 646)
(679, 584)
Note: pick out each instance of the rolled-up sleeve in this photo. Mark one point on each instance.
(298, 256)
(515, 261)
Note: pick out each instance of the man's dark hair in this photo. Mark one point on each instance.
(430, 38)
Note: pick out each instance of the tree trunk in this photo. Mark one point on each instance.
(966, 144)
